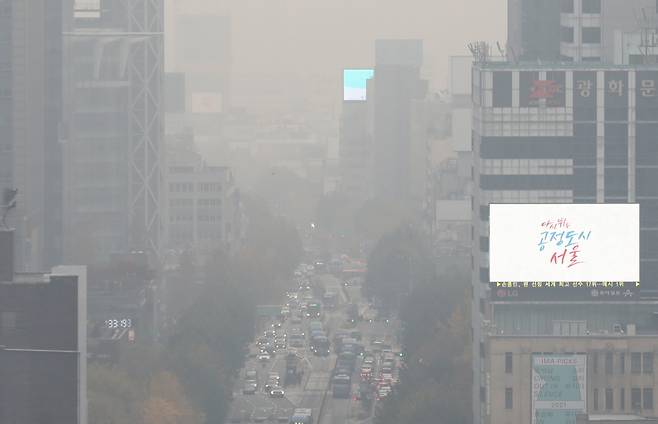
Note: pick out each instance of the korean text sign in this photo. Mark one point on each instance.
(564, 242)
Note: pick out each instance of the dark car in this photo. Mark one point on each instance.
(249, 388)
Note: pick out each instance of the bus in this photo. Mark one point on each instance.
(342, 386)
(302, 416)
(330, 300)
(353, 313)
(320, 346)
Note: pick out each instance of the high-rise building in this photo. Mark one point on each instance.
(355, 140)
(43, 345)
(560, 134)
(207, 68)
(533, 30)
(203, 209)
(114, 122)
(400, 136)
(31, 65)
(609, 31)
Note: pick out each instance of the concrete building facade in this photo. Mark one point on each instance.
(608, 31)
(590, 28)
(31, 65)
(400, 113)
(114, 124)
(559, 134)
(620, 379)
(43, 346)
(203, 209)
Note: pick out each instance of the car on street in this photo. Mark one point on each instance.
(274, 376)
(251, 375)
(368, 359)
(270, 385)
(277, 392)
(264, 357)
(249, 388)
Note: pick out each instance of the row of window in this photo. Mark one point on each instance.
(526, 166)
(178, 203)
(200, 187)
(587, 6)
(200, 218)
(641, 398)
(588, 35)
(526, 196)
(641, 362)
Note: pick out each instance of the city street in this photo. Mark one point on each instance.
(314, 391)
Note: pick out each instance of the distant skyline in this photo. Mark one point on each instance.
(312, 41)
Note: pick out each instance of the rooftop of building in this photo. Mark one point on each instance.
(618, 417)
(550, 66)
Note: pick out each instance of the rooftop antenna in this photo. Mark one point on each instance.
(648, 40)
(480, 51)
(500, 50)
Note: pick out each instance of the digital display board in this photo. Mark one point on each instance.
(354, 83)
(559, 388)
(576, 291)
(564, 243)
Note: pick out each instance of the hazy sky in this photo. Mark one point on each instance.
(313, 40)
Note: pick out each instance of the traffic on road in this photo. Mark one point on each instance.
(326, 357)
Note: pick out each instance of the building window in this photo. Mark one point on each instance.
(608, 363)
(502, 89)
(647, 363)
(608, 400)
(508, 362)
(591, 35)
(622, 363)
(595, 362)
(591, 6)
(567, 34)
(595, 399)
(636, 363)
(8, 320)
(636, 399)
(647, 398)
(622, 399)
(509, 401)
(567, 6)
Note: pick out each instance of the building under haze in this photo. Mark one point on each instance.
(401, 121)
(203, 209)
(206, 68)
(31, 64)
(43, 344)
(563, 134)
(609, 31)
(114, 129)
(355, 139)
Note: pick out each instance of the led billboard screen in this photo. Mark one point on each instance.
(354, 83)
(559, 388)
(564, 243)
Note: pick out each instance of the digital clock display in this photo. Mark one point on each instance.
(119, 323)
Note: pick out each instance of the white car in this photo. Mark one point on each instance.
(277, 392)
(264, 357)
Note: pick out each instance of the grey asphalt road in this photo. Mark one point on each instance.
(315, 387)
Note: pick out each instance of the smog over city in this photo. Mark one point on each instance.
(328, 212)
